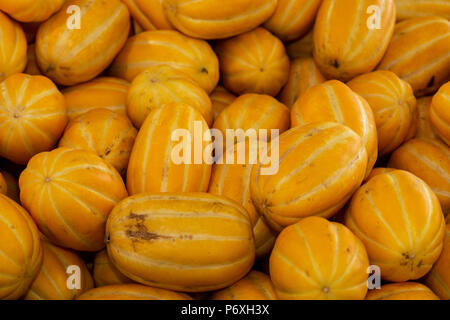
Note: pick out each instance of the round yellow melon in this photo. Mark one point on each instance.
(21, 250)
(402, 291)
(292, 18)
(438, 279)
(105, 273)
(303, 75)
(33, 116)
(214, 19)
(151, 238)
(393, 104)
(255, 286)
(52, 281)
(160, 85)
(399, 219)
(14, 47)
(131, 292)
(79, 53)
(418, 53)
(163, 158)
(440, 113)
(70, 193)
(334, 101)
(253, 62)
(231, 178)
(315, 259)
(430, 161)
(109, 134)
(349, 41)
(191, 56)
(320, 166)
(104, 92)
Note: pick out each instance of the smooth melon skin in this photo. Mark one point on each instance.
(220, 99)
(402, 291)
(189, 242)
(131, 292)
(21, 250)
(315, 259)
(438, 279)
(425, 129)
(255, 286)
(253, 62)
(320, 166)
(410, 226)
(344, 46)
(70, 193)
(70, 56)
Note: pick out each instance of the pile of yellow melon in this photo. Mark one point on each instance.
(94, 206)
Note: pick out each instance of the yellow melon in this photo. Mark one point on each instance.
(151, 238)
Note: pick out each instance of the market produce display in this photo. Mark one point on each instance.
(224, 150)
